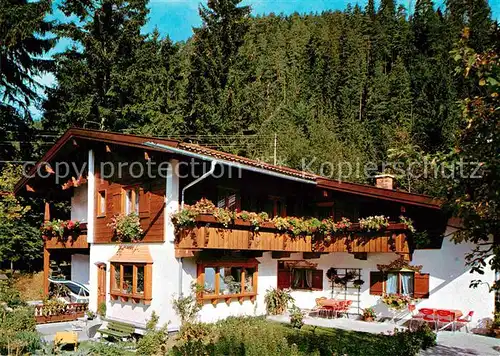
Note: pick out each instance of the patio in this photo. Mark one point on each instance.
(341, 323)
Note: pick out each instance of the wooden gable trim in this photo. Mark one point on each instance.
(132, 254)
(399, 264)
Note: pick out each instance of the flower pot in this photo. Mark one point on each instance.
(368, 319)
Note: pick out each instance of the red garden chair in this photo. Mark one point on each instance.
(414, 315)
(460, 322)
(445, 317)
(428, 315)
(345, 306)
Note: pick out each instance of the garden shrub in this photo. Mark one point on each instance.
(10, 295)
(154, 342)
(427, 335)
(296, 317)
(19, 342)
(20, 319)
(196, 339)
(17, 333)
(252, 337)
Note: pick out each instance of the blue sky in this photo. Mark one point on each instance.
(176, 18)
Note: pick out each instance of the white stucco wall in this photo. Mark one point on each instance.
(450, 280)
(80, 269)
(164, 280)
(79, 203)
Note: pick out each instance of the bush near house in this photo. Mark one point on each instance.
(258, 336)
(18, 334)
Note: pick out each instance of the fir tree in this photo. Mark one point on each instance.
(94, 86)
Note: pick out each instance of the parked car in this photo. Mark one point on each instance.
(72, 292)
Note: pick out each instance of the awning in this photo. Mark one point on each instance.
(132, 253)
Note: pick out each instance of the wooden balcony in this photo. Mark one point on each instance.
(79, 241)
(208, 234)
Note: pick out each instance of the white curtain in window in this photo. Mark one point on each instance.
(297, 274)
(407, 283)
(309, 278)
(392, 284)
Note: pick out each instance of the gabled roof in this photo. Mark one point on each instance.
(144, 142)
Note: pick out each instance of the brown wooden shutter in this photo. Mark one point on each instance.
(144, 208)
(144, 203)
(117, 202)
(376, 283)
(284, 278)
(421, 287)
(317, 282)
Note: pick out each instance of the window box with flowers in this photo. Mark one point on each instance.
(126, 228)
(204, 211)
(225, 280)
(63, 230)
(131, 281)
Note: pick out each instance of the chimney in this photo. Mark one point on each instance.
(385, 181)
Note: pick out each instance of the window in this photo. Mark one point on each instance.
(400, 283)
(228, 198)
(131, 201)
(299, 275)
(413, 284)
(276, 207)
(131, 280)
(302, 278)
(101, 203)
(224, 280)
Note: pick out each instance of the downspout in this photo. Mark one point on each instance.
(209, 173)
(213, 164)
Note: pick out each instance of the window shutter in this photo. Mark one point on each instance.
(284, 278)
(376, 283)
(421, 289)
(117, 203)
(144, 203)
(144, 208)
(317, 282)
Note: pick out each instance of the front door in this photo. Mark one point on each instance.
(101, 284)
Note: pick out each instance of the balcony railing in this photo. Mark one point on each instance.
(240, 235)
(69, 312)
(70, 241)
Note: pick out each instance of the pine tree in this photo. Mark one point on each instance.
(215, 49)
(94, 86)
(474, 14)
(22, 30)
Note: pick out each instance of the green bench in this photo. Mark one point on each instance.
(118, 330)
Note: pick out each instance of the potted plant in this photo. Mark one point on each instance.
(369, 314)
(331, 273)
(90, 315)
(277, 301)
(358, 282)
